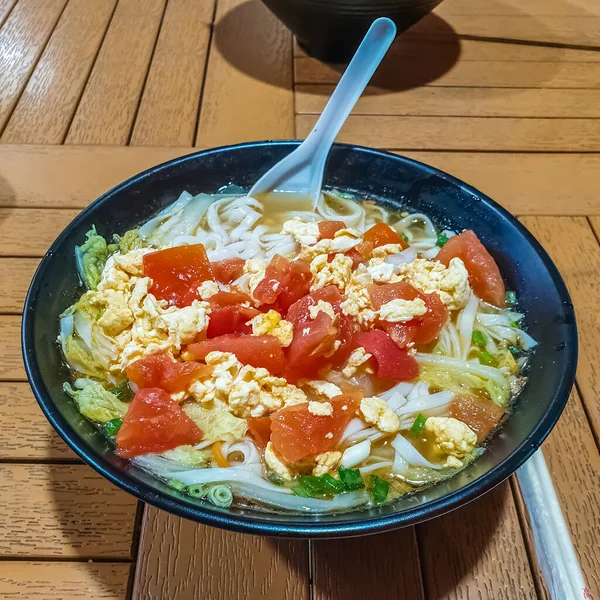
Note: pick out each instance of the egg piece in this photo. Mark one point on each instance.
(271, 323)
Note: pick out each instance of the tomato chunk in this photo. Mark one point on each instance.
(228, 270)
(480, 414)
(177, 272)
(260, 428)
(256, 350)
(299, 312)
(311, 344)
(361, 253)
(392, 362)
(420, 330)
(161, 371)
(484, 275)
(328, 229)
(296, 433)
(155, 423)
(381, 234)
(228, 298)
(284, 282)
(230, 319)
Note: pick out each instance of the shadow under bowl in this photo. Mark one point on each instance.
(393, 180)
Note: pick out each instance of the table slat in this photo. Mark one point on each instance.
(477, 551)
(248, 90)
(170, 103)
(15, 276)
(47, 105)
(533, 8)
(381, 566)
(22, 40)
(63, 510)
(5, 7)
(63, 580)
(572, 245)
(178, 558)
(11, 366)
(110, 100)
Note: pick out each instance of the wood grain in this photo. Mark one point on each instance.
(11, 366)
(170, 103)
(29, 232)
(110, 100)
(63, 510)
(476, 551)
(15, 276)
(48, 102)
(573, 247)
(5, 7)
(382, 566)
(184, 560)
(465, 133)
(26, 434)
(248, 90)
(22, 39)
(465, 102)
(63, 580)
(533, 8)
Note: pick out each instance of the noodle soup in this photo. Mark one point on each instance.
(251, 350)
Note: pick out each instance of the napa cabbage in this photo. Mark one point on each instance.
(95, 402)
(90, 258)
(217, 424)
(188, 455)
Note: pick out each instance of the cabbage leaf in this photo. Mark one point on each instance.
(91, 257)
(80, 360)
(217, 424)
(127, 242)
(96, 403)
(188, 455)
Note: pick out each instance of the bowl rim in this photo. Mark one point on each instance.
(311, 529)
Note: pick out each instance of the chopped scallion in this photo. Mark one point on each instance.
(333, 485)
(404, 237)
(111, 428)
(441, 240)
(351, 479)
(478, 338)
(418, 425)
(197, 490)
(276, 479)
(220, 495)
(514, 324)
(379, 489)
(510, 298)
(123, 392)
(313, 486)
(176, 485)
(485, 358)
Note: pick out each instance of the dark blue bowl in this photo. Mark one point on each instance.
(401, 182)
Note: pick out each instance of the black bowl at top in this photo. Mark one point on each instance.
(392, 179)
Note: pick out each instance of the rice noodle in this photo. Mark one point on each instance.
(410, 455)
(465, 322)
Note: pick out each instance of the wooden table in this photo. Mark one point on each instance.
(504, 94)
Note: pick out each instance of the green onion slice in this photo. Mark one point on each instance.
(379, 489)
(351, 478)
(111, 428)
(510, 298)
(220, 495)
(197, 490)
(418, 425)
(176, 485)
(485, 358)
(478, 338)
(441, 240)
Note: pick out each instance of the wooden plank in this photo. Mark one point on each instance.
(461, 102)
(382, 566)
(63, 580)
(110, 100)
(29, 232)
(477, 551)
(408, 73)
(63, 510)
(183, 560)
(70, 176)
(22, 39)
(533, 8)
(465, 133)
(248, 91)
(5, 7)
(47, 104)
(578, 488)
(170, 103)
(26, 434)
(15, 276)
(572, 245)
(11, 366)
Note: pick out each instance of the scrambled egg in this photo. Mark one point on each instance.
(356, 360)
(376, 412)
(323, 388)
(320, 409)
(337, 272)
(453, 437)
(451, 283)
(387, 250)
(322, 306)
(358, 302)
(401, 311)
(254, 272)
(271, 323)
(305, 233)
(277, 464)
(344, 240)
(208, 289)
(132, 262)
(247, 391)
(117, 315)
(326, 462)
(380, 271)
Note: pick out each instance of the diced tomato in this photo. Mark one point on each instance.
(381, 234)
(480, 414)
(228, 298)
(349, 329)
(392, 362)
(230, 319)
(484, 275)
(312, 342)
(296, 433)
(299, 313)
(256, 350)
(420, 330)
(155, 423)
(161, 371)
(260, 428)
(284, 282)
(328, 229)
(177, 272)
(360, 253)
(228, 270)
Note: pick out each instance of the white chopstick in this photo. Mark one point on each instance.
(553, 546)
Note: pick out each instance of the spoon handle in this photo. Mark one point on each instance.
(371, 51)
